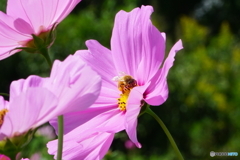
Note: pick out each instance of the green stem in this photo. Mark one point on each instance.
(60, 137)
(4, 94)
(178, 153)
(44, 52)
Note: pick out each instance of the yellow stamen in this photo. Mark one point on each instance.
(122, 102)
(2, 114)
(125, 84)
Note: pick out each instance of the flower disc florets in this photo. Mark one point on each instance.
(2, 114)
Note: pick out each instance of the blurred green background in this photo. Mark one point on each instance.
(203, 109)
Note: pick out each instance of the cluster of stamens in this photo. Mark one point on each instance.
(122, 102)
(125, 84)
(2, 114)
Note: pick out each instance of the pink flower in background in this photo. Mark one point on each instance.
(26, 17)
(46, 131)
(131, 74)
(35, 156)
(3, 157)
(72, 86)
(129, 144)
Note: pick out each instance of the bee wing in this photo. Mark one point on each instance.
(122, 74)
(119, 77)
(116, 78)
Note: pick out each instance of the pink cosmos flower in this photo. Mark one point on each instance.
(27, 17)
(3, 157)
(72, 86)
(47, 132)
(131, 75)
(129, 144)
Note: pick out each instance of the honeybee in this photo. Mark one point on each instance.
(126, 83)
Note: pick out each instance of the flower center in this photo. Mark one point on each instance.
(125, 84)
(2, 114)
(122, 102)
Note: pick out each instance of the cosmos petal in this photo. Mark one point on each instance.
(137, 46)
(48, 12)
(5, 52)
(29, 110)
(21, 85)
(3, 157)
(64, 8)
(3, 103)
(133, 108)
(100, 59)
(87, 146)
(9, 37)
(157, 92)
(101, 119)
(8, 30)
(75, 82)
(171, 57)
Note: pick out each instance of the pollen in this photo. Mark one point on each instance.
(122, 102)
(125, 84)
(2, 114)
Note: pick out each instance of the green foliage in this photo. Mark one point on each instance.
(205, 80)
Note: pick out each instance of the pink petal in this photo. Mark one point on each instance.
(9, 31)
(157, 92)
(100, 59)
(64, 9)
(5, 52)
(21, 85)
(74, 83)
(170, 59)
(107, 97)
(137, 46)
(9, 37)
(48, 12)
(87, 146)
(104, 110)
(3, 104)
(133, 108)
(164, 36)
(16, 9)
(3, 157)
(29, 110)
(106, 118)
